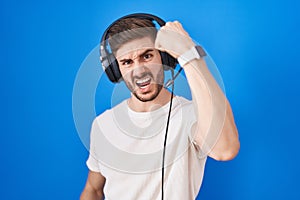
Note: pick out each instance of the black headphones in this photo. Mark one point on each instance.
(108, 60)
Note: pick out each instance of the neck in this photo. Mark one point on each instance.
(162, 99)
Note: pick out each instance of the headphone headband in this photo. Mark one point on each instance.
(135, 15)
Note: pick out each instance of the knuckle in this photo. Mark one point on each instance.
(168, 23)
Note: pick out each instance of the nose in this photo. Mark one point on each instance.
(139, 69)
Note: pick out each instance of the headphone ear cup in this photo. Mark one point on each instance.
(113, 71)
(168, 61)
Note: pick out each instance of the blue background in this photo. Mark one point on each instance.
(254, 43)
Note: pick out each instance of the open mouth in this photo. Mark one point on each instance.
(144, 82)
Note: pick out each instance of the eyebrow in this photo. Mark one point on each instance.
(141, 55)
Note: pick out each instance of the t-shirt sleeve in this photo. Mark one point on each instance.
(192, 127)
(201, 153)
(92, 163)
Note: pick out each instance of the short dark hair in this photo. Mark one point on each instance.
(129, 29)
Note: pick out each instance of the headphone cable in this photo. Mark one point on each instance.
(165, 140)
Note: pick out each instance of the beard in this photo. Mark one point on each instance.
(157, 90)
(155, 86)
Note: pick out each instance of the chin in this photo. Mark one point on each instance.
(150, 96)
(145, 97)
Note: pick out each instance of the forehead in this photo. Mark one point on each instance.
(134, 47)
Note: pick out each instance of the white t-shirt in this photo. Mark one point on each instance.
(126, 148)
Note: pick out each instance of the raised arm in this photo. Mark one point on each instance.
(215, 130)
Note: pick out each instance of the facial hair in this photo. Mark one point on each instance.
(158, 85)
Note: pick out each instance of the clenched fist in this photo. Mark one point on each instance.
(173, 39)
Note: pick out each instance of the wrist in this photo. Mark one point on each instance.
(195, 52)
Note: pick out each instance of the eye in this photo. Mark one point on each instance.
(147, 56)
(126, 62)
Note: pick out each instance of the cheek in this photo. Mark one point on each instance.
(126, 74)
(158, 76)
(159, 72)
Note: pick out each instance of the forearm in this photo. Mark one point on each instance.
(215, 131)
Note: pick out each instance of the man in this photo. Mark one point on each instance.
(127, 140)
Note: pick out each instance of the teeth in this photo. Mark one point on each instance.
(143, 80)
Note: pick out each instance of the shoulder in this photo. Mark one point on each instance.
(184, 100)
(185, 109)
(183, 104)
(111, 113)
